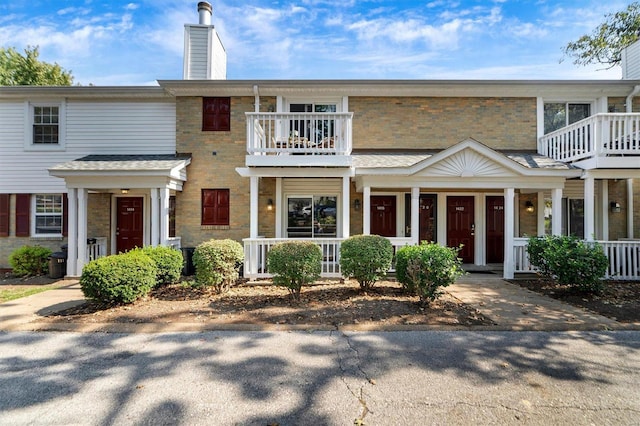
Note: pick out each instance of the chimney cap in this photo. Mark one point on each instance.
(204, 11)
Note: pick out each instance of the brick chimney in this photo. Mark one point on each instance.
(204, 55)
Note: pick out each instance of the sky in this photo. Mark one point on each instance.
(136, 42)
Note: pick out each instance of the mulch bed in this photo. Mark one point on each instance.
(620, 300)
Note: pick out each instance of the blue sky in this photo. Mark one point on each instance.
(137, 42)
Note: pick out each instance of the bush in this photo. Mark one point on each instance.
(569, 260)
(30, 261)
(294, 264)
(119, 278)
(424, 269)
(217, 263)
(168, 261)
(367, 258)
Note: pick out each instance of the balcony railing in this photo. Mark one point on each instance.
(601, 135)
(312, 133)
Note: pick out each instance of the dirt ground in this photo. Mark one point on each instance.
(323, 304)
(620, 300)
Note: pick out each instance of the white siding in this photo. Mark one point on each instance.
(91, 128)
(198, 53)
(312, 186)
(631, 62)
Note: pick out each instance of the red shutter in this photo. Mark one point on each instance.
(172, 216)
(23, 203)
(4, 215)
(215, 207)
(65, 215)
(216, 114)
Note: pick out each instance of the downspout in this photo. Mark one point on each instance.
(629, 103)
(256, 93)
(630, 231)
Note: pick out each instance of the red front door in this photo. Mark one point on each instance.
(460, 226)
(495, 229)
(383, 215)
(129, 230)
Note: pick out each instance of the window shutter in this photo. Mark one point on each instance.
(65, 215)
(216, 114)
(172, 216)
(4, 215)
(215, 207)
(23, 202)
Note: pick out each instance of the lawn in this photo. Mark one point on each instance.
(12, 292)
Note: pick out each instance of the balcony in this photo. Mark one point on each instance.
(601, 141)
(299, 139)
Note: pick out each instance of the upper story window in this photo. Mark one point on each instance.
(560, 114)
(216, 114)
(215, 207)
(45, 126)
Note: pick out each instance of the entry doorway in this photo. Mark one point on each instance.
(495, 229)
(129, 223)
(461, 226)
(383, 215)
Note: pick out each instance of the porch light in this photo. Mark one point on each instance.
(529, 207)
(356, 204)
(269, 204)
(124, 190)
(615, 207)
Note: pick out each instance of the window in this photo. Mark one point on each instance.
(215, 207)
(572, 217)
(216, 114)
(312, 216)
(172, 216)
(45, 126)
(313, 130)
(47, 215)
(560, 114)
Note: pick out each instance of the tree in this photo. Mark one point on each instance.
(27, 70)
(605, 44)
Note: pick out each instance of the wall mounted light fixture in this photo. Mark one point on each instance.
(124, 190)
(615, 207)
(529, 207)
(356, 204)
(269, 204)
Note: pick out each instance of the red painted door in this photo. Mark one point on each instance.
(427, 218)
(495, 229)
(129, 230)
(383, 215)
(460, 226)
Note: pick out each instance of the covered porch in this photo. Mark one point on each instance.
(118, 202)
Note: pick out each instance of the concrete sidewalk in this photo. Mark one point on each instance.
(508, 305)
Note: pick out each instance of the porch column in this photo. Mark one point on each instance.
(155, 218)
(556, 211)
(589, 208)
(164, 215)
(604, 209)
(277, 207)
(415, 215)
(540, 213)
(509, 224)
(630, 208)
(82, 230)
(366, 210)
(346, 207)
(253, 207)
(72, 237)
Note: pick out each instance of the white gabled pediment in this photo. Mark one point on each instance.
(466, 163)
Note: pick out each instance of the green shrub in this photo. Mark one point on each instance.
(367, 258)
(569, 260)
(217, 263)
(30, 261)
(425, 268)
(168, 261)
(294, 264)
(120, 278)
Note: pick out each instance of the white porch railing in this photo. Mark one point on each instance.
(174, 242)
(312, 133)
(96, 248)
(601, 135)
(624, 258)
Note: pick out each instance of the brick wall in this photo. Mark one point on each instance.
(437, 123)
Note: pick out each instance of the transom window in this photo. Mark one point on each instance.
(47, 214)
(46, 124)
(560, 114)
(312, 216)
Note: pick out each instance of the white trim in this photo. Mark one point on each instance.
(630, 207)
(28, 126)
(33, 214)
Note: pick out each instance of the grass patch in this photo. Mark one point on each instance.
(16, 293)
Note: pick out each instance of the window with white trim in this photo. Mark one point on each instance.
(312, 216)
(45, 126)
(560, 114)
(47, 215)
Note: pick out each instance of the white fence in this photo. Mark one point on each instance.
(624, 258)
(272, 133)
(612, 134)
(96, 248)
